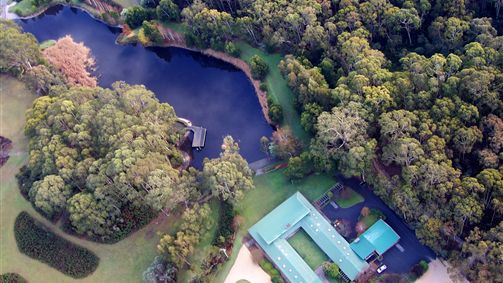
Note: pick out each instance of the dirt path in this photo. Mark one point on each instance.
(245, 268)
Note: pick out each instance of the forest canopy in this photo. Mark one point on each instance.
(96, 153)
(406, 95)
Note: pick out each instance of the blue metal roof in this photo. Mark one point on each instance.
(379, 237)
(272, 231)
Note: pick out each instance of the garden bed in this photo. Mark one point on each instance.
(347, 198)
(36, 241)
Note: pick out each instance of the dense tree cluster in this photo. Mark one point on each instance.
(96, 153)
(228, 176)
(178, 247)
(21, 57)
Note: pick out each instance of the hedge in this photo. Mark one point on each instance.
(12, 278)
(36, 241)
(273, 272)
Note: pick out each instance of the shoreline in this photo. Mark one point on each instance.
(83, 8)
(236, 62)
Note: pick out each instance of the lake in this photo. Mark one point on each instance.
(209, 92)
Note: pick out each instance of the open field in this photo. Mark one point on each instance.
(120, 262)
(271, 189)
(307, 249)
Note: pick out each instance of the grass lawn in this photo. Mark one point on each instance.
(124, 261)
(176, 26)
(307, 249)
(372, 218)
(271, 189)
(351, 198)
(127, 3)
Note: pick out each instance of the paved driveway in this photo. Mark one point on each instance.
(396, 260)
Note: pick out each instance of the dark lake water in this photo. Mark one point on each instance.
(209, 92)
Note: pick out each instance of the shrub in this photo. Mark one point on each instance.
(273, 272)
(151, 32)
(225, 223)
(12, 278)
(135, 16)
(259, 67)
(419, 269)
(299, 167)
(331, 269)
(160, 270)
(36, 241)
(330, 195)
(276, 113)
(134, 219)
(232, 49)
(263, 87)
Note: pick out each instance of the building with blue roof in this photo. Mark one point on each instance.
(273, 230)
(379, 238)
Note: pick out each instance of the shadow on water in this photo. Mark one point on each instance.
(209, 92)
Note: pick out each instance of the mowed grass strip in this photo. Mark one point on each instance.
(351, 198)
(307, 249)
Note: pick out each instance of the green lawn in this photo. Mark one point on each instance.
(372, 218)
(307, 249)
(124, 261)
(353, 198)
(271, 189)
(127, 3)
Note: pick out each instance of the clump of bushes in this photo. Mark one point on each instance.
(231, 49)
(12, 278)
(273, 272)
(36, 241)
(225, 228)
(418, 270)
(259, 67)
(160, 270)
(276, 113)
(331, 269)
(151, 32)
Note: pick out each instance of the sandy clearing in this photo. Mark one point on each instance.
(245, 268)
(437, 273)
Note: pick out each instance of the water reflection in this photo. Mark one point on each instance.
(207, 91)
